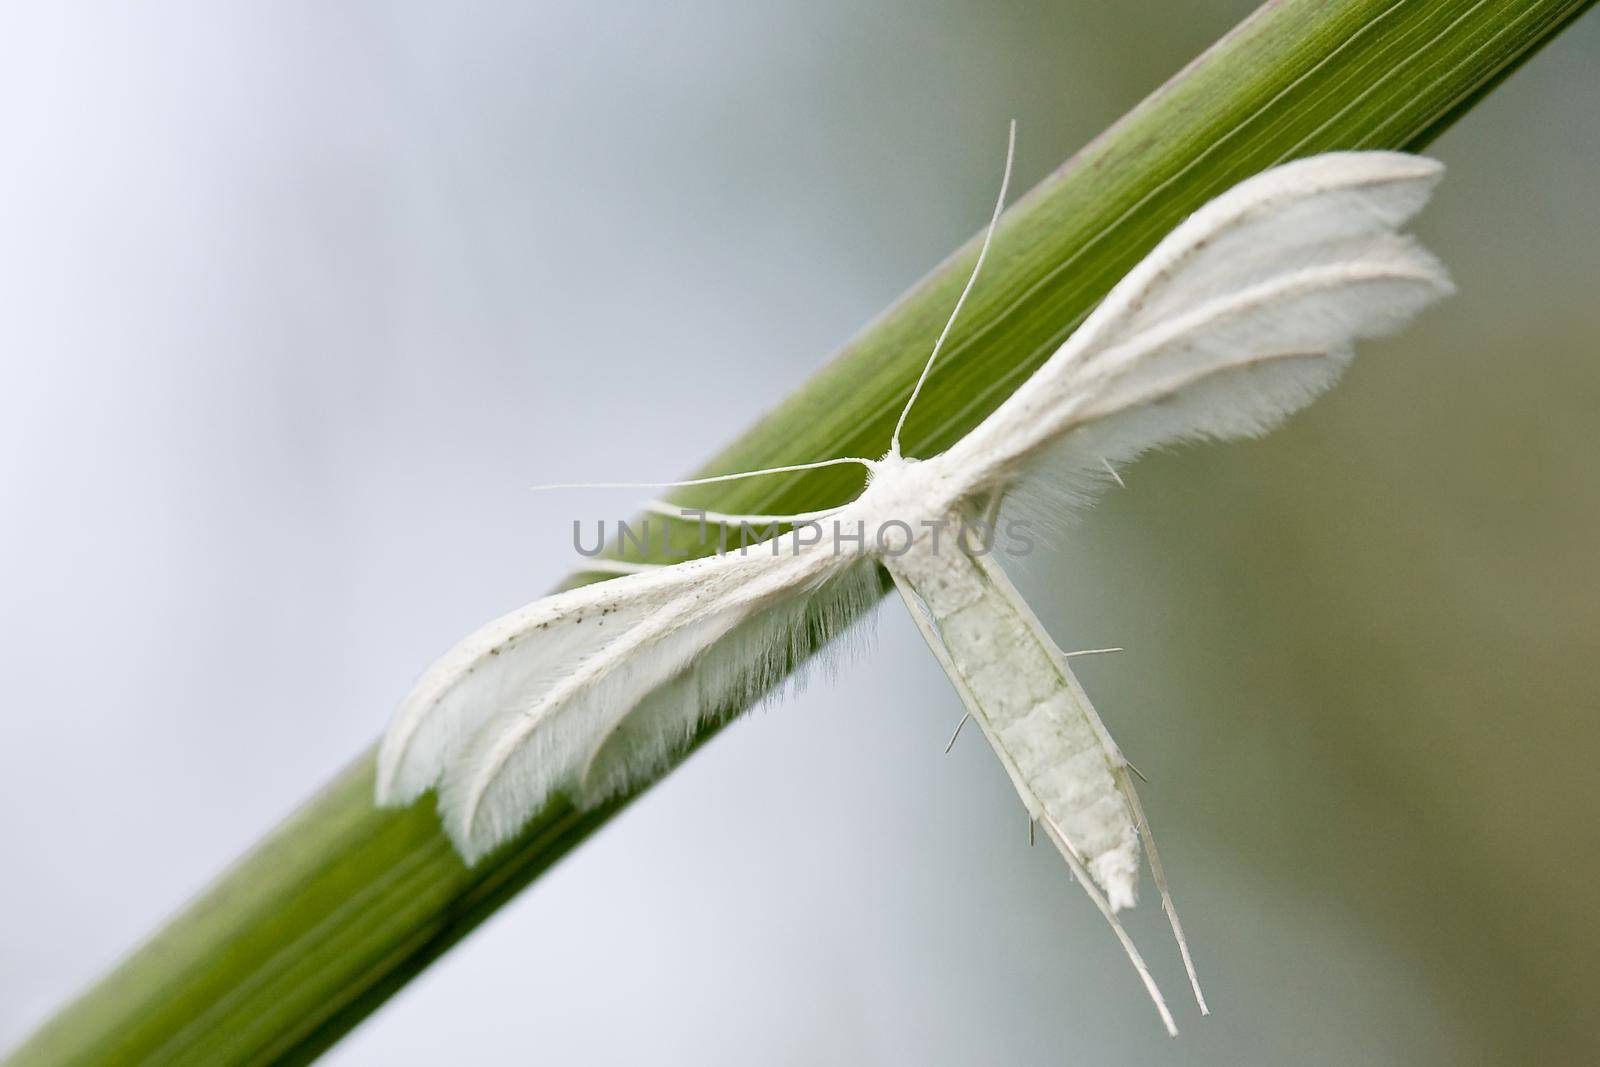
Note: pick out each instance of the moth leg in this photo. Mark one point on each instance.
(615, 566)
(669, 510)
(721, 518)
(991, 508)
(957, 733)
(983, 514)
(1148, 841)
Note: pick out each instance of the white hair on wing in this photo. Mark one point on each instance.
(504, 662)
(1241, 316)
(772, 654)
(1290, 217)
(706, 654)
(1279, 221)
(1311, 309)
(1064, 478)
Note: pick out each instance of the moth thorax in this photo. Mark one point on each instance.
(904, 493)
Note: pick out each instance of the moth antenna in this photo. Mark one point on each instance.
(957, 733)
(1082, 874)
(842, 460)
(983, 251)
(1148, 840)
(1135, 770)
(1033, 824)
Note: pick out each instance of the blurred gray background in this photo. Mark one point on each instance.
(296, 299)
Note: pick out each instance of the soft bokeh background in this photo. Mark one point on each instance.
(295, 299)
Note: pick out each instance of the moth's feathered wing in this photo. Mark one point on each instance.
(593, 690)
(1243, 314)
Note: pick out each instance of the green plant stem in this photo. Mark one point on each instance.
(344, 903)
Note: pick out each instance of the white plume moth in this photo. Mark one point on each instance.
(1241, 315)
